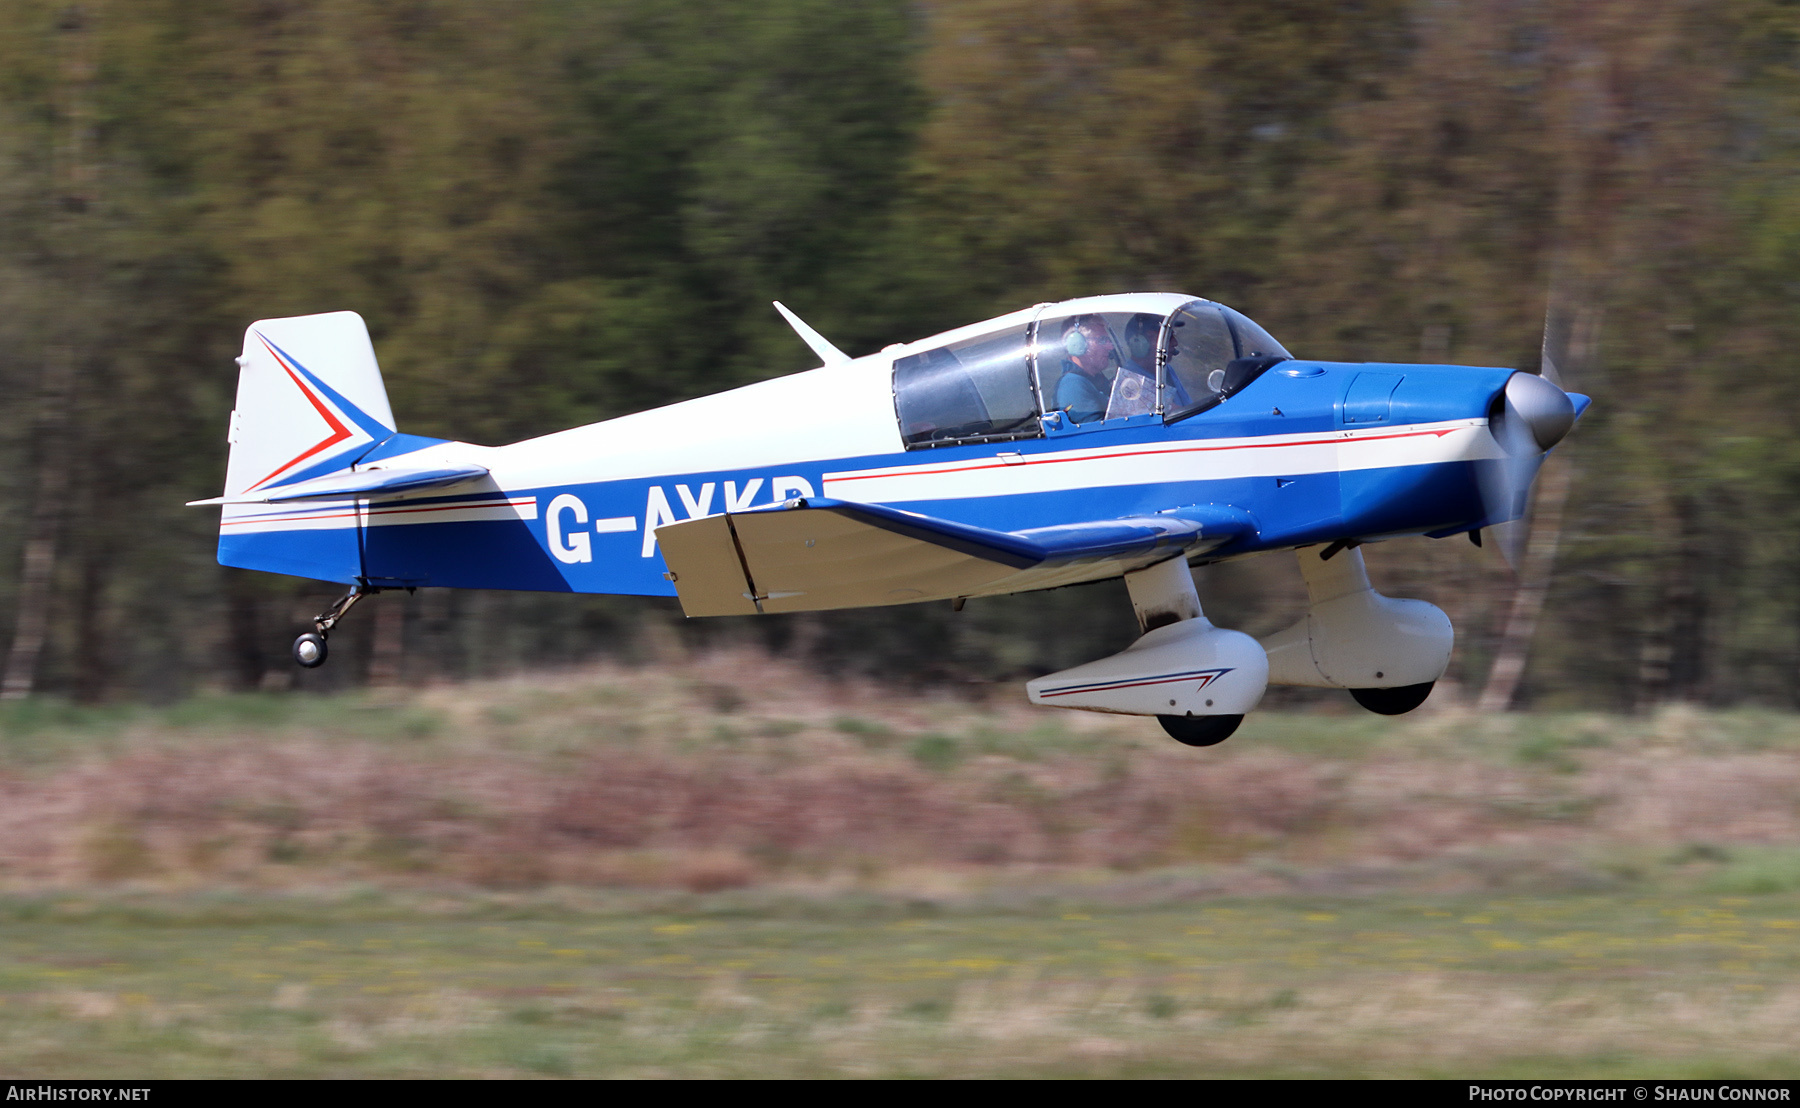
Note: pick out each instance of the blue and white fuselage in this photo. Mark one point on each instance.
(578, 511)
(1068, 442)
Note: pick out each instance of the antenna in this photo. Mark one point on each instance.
(827, 353)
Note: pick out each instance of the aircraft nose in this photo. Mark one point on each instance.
(1541, 407)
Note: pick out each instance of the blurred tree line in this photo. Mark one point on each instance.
(565, 210)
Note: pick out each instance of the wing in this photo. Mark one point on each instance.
(817, 554)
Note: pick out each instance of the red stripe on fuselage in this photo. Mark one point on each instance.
(1042, 460)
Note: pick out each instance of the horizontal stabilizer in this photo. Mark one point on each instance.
(369, 483)
(818, 554)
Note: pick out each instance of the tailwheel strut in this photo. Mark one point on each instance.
(310, 651)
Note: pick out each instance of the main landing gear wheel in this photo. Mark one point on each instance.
(1200, 730)
(1393, 702)
(310, 650)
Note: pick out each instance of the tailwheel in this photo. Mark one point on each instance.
(309, 649)
(1200, 730)
(1393, 702)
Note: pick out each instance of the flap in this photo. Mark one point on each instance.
(818, 554)
(368, 483)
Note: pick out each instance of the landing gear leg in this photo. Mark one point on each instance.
(309, 649)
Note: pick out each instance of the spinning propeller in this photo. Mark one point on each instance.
(1531, 416)
(1527, 419)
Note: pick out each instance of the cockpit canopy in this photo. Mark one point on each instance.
(1064, 366)
(968, 391)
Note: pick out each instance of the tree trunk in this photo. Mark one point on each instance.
(73, 173)
(93, 656)
(1534, 583)
(38, 574)
(243, 617)
(388, 649)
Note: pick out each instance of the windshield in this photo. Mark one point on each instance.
(1253, 341)
(1208, 353)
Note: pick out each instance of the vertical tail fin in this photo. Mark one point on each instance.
(309, 401)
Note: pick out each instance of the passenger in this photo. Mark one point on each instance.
(1140, 349)
(1140, 343)
(1087, 354)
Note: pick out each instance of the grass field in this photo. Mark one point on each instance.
(732, 984)
(724, 868)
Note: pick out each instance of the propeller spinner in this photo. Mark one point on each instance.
(1528, 418)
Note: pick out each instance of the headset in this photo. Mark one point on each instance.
(1074, 342)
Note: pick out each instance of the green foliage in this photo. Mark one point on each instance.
(558, 212)
(1757, 871)
(935, 751)
(548, 214)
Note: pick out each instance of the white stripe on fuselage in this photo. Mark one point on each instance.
(1164, 462)
(1146, 463)
(336, 514)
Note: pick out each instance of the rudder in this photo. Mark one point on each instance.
(310, 401)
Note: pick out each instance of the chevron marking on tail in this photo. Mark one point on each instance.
(296, 372)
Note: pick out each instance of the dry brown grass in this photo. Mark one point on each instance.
(734, 769)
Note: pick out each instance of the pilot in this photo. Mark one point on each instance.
(1087, 354)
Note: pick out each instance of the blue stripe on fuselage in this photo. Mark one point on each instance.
(517, 554)
(1290, 511)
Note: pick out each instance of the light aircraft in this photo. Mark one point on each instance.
(1127, 435)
